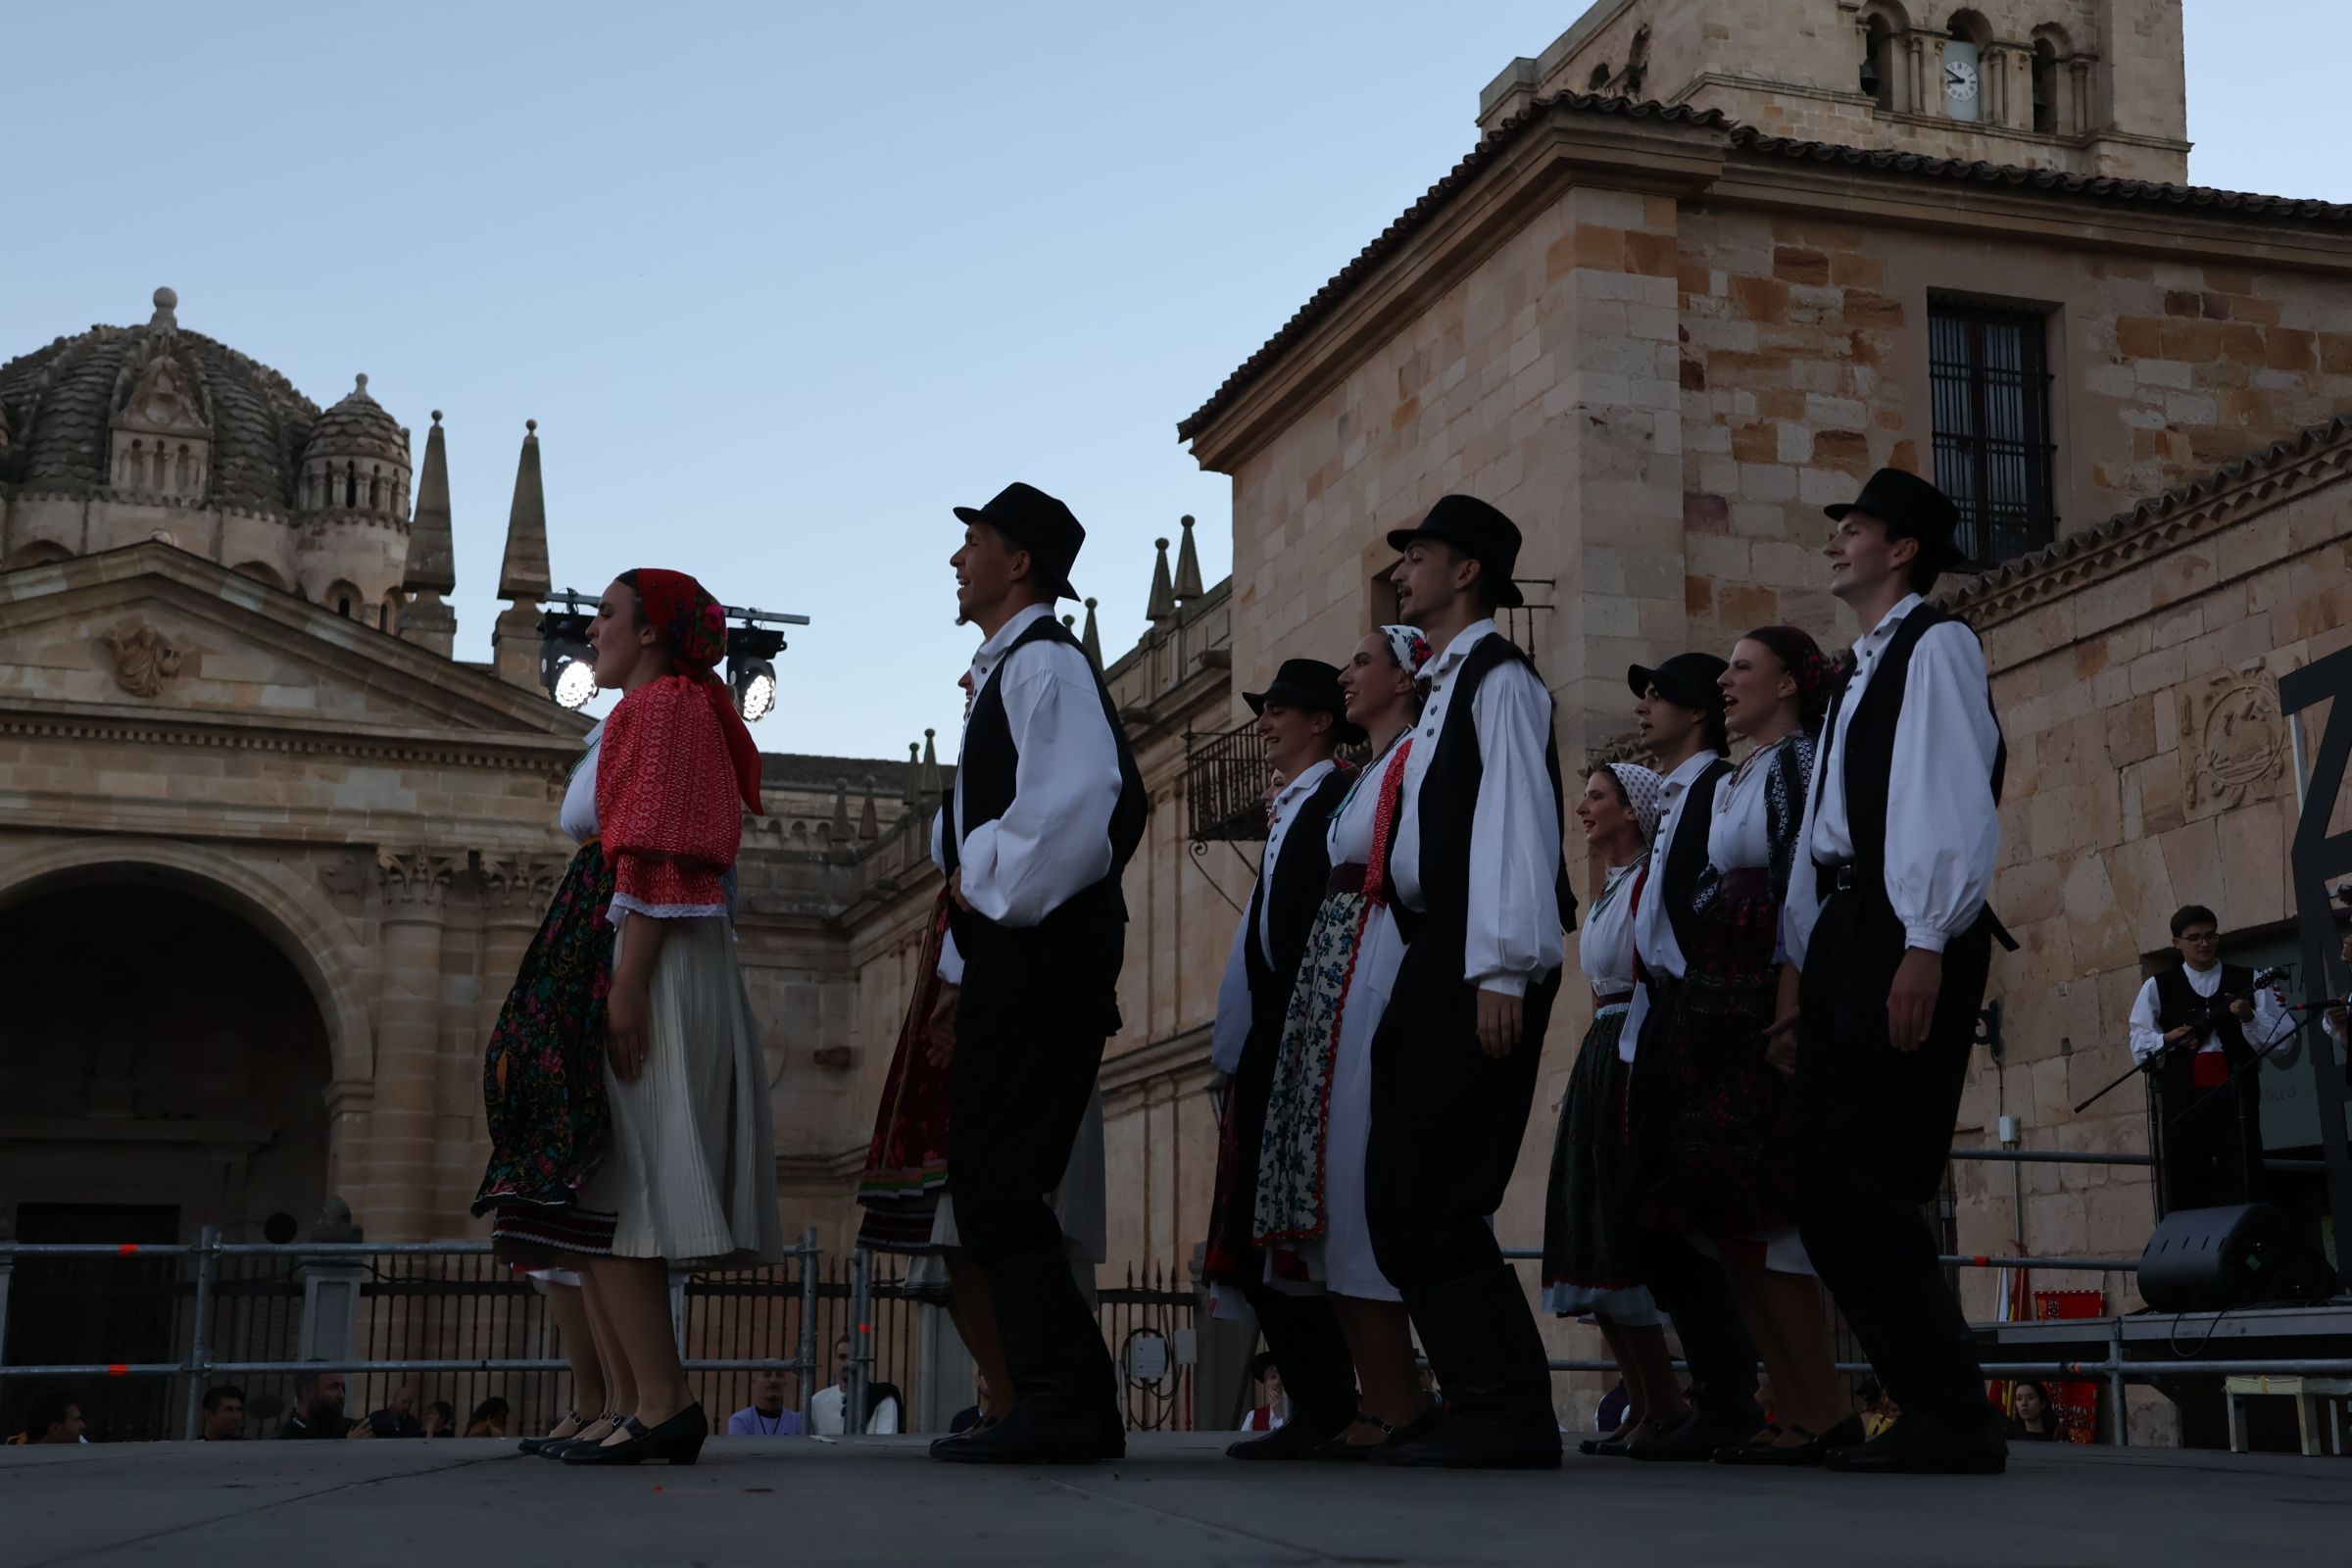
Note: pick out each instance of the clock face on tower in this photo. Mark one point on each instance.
(1960, 80)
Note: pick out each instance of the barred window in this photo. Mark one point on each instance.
(1991, 371)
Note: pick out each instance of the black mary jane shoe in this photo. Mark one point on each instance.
(967, 1434)
(1808, 1454)
(678, 1440)
(579, 1424)
(558, 1447)
(1616, 1445)
(1338, 1450)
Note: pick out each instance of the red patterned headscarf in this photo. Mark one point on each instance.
(693, 629)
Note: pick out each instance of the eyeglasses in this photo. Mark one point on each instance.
(2200, 937)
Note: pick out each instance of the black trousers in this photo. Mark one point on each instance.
(1037, 1007)
(1447, 1120)
(1875, 1136)
(2209, 1139)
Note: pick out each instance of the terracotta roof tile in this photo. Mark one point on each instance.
(1744, 138)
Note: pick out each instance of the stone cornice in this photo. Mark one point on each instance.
(1510, 186)
(2161, 524)
(45, 717)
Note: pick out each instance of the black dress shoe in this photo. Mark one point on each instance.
(678, 1440)
(1813, 1451)
(1033, 1433)
(534, 1445)
(1696, 1441)
(1930, 1443)
(1295, 1438)
(1338, 1450)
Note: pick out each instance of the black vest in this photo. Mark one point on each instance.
(1448, 800)
(985, 776)
(1687, 857)
(1869, 756)
(1290, 892)
(2176, 1005)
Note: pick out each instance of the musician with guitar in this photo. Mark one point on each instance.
(2193, 1028)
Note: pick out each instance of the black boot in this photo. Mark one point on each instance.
(1484, 1345)
(1931, 1443)
(1068, 1408)
(1303, 1334)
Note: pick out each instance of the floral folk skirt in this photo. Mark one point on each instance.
(1714, 1136)
(543, 1078)
(1290, 1200)
(1588, 1267)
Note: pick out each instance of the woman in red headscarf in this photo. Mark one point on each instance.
(690, 1170)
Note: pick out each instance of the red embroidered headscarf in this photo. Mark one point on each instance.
(693, 629)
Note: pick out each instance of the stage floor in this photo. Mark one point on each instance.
(793, 1502)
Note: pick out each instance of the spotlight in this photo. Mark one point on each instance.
(751, 671)
(567, 664)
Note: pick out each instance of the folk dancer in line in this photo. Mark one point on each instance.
(1302, 720)
(1681, 719)
(1714, 1135)
(2197, 1029)
(1484, 903)
(1890, 939)
(690, 1171)
(1588, 1268)
(1046, 812)
(1311, 1222)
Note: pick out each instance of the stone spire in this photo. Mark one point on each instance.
(841, 811)
(1187, 568)
(1162, 605)
(431, 569)
(525, 574)
(869, 818)
(1091, 637)
(523, 580)
(915, 775)
(928, 786)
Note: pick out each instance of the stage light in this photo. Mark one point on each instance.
(567, 664)
(750, 670)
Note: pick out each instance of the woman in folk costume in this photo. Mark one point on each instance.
(690, 1172)
(1714, 1129)
(1310, 1218)
(1587, 1265)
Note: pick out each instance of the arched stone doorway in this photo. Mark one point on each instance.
(164, 1066)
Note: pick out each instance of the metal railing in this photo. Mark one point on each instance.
(171, 1319)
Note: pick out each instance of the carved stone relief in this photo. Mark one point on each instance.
(143, 660)
(2233, 744)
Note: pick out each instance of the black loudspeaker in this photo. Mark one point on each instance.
(2241, 1254)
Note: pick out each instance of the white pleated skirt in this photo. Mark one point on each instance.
(692, 1173)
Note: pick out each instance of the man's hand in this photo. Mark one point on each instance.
(939, 1034)
(956, 891)
(629, 1011)
(2243, 1007)
(1502, 1020)
(2181, 1036)
(360, 1429)
(1911, 1004)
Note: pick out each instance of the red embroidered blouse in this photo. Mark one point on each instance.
(666, 804)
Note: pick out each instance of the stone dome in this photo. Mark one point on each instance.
(358, 428)
(59, 405)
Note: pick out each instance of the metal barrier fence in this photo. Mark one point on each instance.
(158, 1324)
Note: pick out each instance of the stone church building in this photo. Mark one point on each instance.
(1706, 264)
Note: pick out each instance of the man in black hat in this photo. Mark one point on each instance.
(1888, 900)
(1479, 892)
(1680, 715)
(1047, 809)
(1303, 718)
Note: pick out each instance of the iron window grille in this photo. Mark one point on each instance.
(1990, 368)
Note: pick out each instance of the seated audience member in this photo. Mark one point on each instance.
(489, 1418)
(223, 1414)
(825, 1407)
(52, 1417)
(440, 1419)
(1613, 1406)
(1274, 1407)
(398, 1418)
(2034, 1420)
(768, 1414)
(318, 1410)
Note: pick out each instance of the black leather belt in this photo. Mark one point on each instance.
(1835, 876)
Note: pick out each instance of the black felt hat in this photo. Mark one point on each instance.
(1478, 531)
(1687, 680)
(1313, 685)
(1911, 507)
(1039, 524)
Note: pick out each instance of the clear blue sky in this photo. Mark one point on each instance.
(782, 283)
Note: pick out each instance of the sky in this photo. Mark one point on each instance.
(783, 283)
